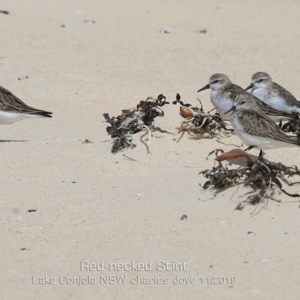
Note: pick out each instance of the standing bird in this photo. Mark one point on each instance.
(255, 128)
(273, 94)
(224, 92)
(12, 109)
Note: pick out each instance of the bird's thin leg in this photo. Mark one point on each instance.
(249, 148)
(261, 155)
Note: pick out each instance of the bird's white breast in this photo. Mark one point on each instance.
(222, 103)
(274, 100)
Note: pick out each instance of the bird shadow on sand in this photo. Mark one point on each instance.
(13, 141)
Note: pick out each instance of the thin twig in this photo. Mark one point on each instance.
(129, 157)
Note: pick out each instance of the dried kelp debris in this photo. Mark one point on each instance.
(200, 124)
(261, 175)
(293, 125)
(134, 120)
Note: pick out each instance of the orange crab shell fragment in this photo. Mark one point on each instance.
(186, 112)
(235, 153)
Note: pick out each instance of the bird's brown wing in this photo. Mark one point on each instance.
(258, 124)
(10, 103)
(281, 91)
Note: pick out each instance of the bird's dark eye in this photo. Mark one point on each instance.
(243, 102)
(260, 80)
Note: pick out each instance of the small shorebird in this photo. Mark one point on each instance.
(12, 109)
(273, 94)
(224, 92)
(255, 128)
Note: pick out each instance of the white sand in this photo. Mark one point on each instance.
(122, 211)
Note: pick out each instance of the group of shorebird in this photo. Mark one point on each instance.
(254, 115)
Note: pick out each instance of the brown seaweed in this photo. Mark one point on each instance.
(261, 175)
(200, 124)
(293, 125)
(132, 121)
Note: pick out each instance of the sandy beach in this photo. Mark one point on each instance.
(78, 222)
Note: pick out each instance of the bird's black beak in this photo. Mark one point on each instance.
(249, 87)
(204, 88)
(232, 109)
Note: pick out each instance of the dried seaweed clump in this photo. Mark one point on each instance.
(261, 175)
(293, 125)
(200, 124)
(132, 121)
